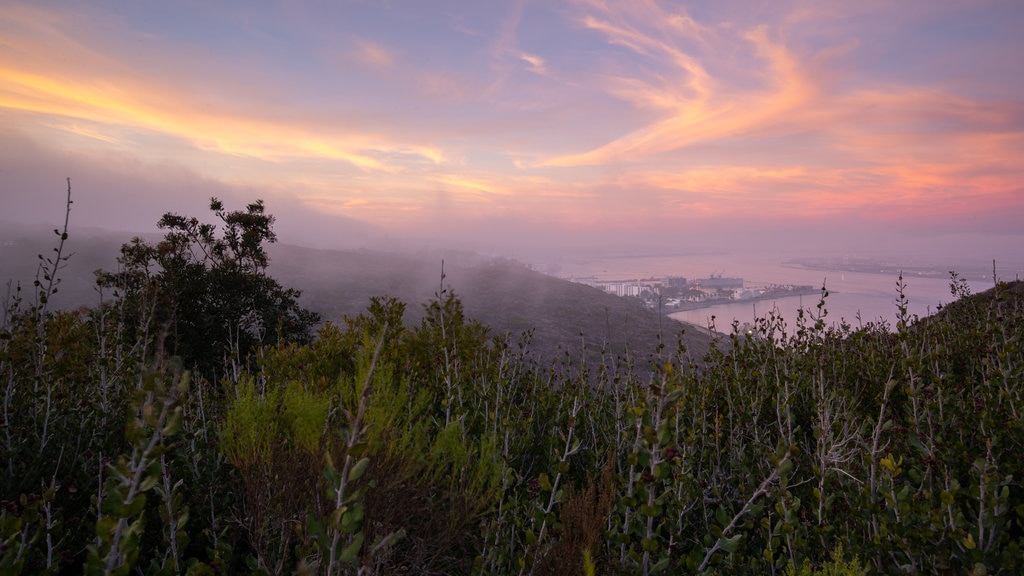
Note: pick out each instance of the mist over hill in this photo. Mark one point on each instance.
(507, 296)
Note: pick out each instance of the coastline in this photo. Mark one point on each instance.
(770, 294)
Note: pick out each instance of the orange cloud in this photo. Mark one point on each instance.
(90, 87)
(878, 149)
(124, 104)
(462, 182)
(666, 119)
(694, 105)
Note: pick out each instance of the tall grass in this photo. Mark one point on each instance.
(443, 449)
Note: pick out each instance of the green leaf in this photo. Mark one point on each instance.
(351, 519)
(351, 552)
(664, 432)
(731, 545)
(662, 470)
(786, 467)
(649, 544)
(357, 471)
(173, 425)
(133, 508)
(722, 516)
(105, 527)
(660, 566)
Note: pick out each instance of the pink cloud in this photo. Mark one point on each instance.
(598, 118)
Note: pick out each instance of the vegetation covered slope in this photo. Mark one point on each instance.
(434, 448)
(502, 294)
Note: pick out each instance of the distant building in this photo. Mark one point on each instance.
(675, 282)
(626, 288)
(747, 294)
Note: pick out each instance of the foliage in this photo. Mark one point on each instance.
(439, 448)
(213, 291)
(838, 566)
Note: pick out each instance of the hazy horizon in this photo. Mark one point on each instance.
(537, 131)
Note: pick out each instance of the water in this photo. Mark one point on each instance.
(856, 297)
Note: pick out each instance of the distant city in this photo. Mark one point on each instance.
(674, 293)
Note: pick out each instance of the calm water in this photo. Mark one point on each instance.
(871, 296)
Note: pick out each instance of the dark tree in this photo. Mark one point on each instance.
(212, 292)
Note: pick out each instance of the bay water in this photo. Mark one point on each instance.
(856, 297)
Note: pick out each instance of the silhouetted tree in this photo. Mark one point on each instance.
(212, 292)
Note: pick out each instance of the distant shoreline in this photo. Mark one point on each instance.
(768, 295)
(870, 267)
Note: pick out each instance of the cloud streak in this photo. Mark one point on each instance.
(587, 117)
(118, 98)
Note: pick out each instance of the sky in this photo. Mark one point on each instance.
(530, 128)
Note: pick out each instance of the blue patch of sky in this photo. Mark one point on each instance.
(945, 49)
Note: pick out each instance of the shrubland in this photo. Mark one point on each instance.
(200, 421)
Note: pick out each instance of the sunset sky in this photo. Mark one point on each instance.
(530, 125)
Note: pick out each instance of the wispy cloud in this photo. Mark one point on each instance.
(534, 63)
(799, 141)
(117, 96)
(692, 105)
(584, 115)
(371, 53)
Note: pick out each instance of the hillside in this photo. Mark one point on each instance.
(833, 450)
(502, 294)
(90, 249)
(505, 295)
(1009, 294)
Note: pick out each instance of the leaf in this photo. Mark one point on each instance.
(336, 515)
(357, 471)
(133, 508)
(731, 545)
(786, 467)
(105, 527)
(662, 470)
(351, 519)
(649, 544)
(722, 516)
(660, 566)
(351, 552)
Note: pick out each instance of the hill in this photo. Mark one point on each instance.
(833, 450)
(502, 294)
(1007, 293)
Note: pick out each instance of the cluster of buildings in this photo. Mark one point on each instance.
(677, 291)
(671, 286)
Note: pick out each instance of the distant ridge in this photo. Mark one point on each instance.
(505, 295)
